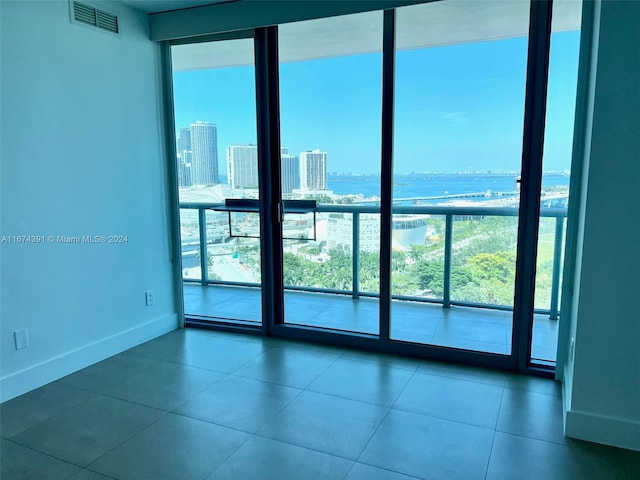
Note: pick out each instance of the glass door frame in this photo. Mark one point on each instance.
(169, 113)
(271, 206)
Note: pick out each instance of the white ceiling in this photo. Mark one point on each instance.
(155, 6)
(427, 25)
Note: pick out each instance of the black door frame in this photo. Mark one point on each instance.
(268, 129)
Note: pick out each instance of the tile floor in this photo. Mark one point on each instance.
(196, 404)
(461, 327)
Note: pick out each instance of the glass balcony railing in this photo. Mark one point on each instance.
(446, 255)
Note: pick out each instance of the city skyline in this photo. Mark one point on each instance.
(241, 172)
(306, 172)
(241, 167)
(456, 106)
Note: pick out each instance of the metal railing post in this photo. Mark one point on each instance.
(448, 242)
(204, 264)
(555, 279)
(355, 255)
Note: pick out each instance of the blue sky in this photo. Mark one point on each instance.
(457, 107)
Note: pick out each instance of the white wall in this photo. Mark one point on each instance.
(81, 153)
(603, 394)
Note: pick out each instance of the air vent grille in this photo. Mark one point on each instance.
(84, 13)
(107, 21)
(91, 16)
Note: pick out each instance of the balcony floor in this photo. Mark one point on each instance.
(469, 328)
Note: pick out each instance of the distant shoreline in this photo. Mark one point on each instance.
(441, 174)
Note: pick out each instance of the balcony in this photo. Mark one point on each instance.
(454, 288)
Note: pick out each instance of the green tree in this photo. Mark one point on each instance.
(404, 284)
(486, 278)
(293, 270)
(498, 266)
(209, 258)
(418, 252)
(430, 276)
(369, 271)
(461, 276)
(336, 273)
(398, 261)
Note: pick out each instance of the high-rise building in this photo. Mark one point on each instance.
(313, 170)
(242, 166)
(184, 140)
(184, 169)
(185, 157)
(290, 168)
(204, 148)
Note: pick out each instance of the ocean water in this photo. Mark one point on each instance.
(431, 185)
(409, 186)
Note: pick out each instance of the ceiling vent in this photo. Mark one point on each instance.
(92, 16)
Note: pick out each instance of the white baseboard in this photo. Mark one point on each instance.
(618, 432)
(40, 374)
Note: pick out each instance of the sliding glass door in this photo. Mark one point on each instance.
(330, 106)
(397, 172)
(459, 116)
(217, 170)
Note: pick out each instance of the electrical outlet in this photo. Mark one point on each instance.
(21, 338)
(149, 297)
